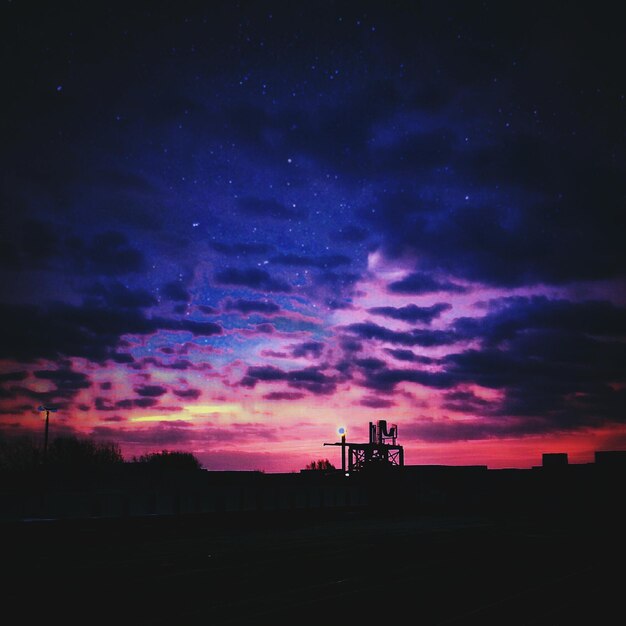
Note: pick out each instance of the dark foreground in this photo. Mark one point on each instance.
(314, 568)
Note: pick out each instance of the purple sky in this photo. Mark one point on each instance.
(231, 229)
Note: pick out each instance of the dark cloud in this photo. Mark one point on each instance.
(65, 379)
(251, 306)
(162, 435)
(412, 312)
(108, 254)
(118, 357)
(175, 291)
(559, 363)
(253, 278)
(150, 390)
(386, 379)
(407, 355)
(415, 337)
(308, 379)
(467, 403)
(308, 349)
(523, 233)
(376, 403)
(506, 317)
(207, 310)
(421, 283)
(118, 295)
(113, 418)
(32, 332)
(145, 403)
(103, 404)
(350, 345)
(12, 376)
(369, 363)
(188, 394)
(32, 246)
(283, 395)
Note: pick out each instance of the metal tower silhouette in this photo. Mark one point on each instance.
(381, 451)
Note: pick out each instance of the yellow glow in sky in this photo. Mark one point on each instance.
(162, 418)
(189, 412)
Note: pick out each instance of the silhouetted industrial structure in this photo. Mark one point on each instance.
(381, 451)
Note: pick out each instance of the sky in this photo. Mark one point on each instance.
(229, 228)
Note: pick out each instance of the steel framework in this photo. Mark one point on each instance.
(381, 450)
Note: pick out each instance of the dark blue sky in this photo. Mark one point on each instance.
(229, 227)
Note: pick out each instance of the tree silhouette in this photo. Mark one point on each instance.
(169, 460)
(19, 454)
(75, 453)
(320, 464)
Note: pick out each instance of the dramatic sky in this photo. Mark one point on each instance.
(229, 228)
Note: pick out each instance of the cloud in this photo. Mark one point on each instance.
(557, 362)
(420, 283)
(64, 378)
(253, 278)
(509, 316)
(283, 395)
(308, 349)
(412, 312)
(150, 390)
(376, 403)
(175, 292)
(189, 394)
(386, 379)
(108, 254)
(251, 306)
(369, 363)
(33, 332)
(467, 403)
(34, 244)
(13, 376)
(517, 214)
(407, 355)
(415, 337)
(309, 379)
(207, 310)
(118, 295)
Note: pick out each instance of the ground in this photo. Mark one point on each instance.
(314, 568)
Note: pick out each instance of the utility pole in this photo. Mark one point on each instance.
(48, 410)
(342, 432)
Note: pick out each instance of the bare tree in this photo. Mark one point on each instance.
(320, 464)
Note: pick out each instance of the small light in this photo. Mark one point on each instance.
(341, 430)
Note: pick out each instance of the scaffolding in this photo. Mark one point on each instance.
(381, 451)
